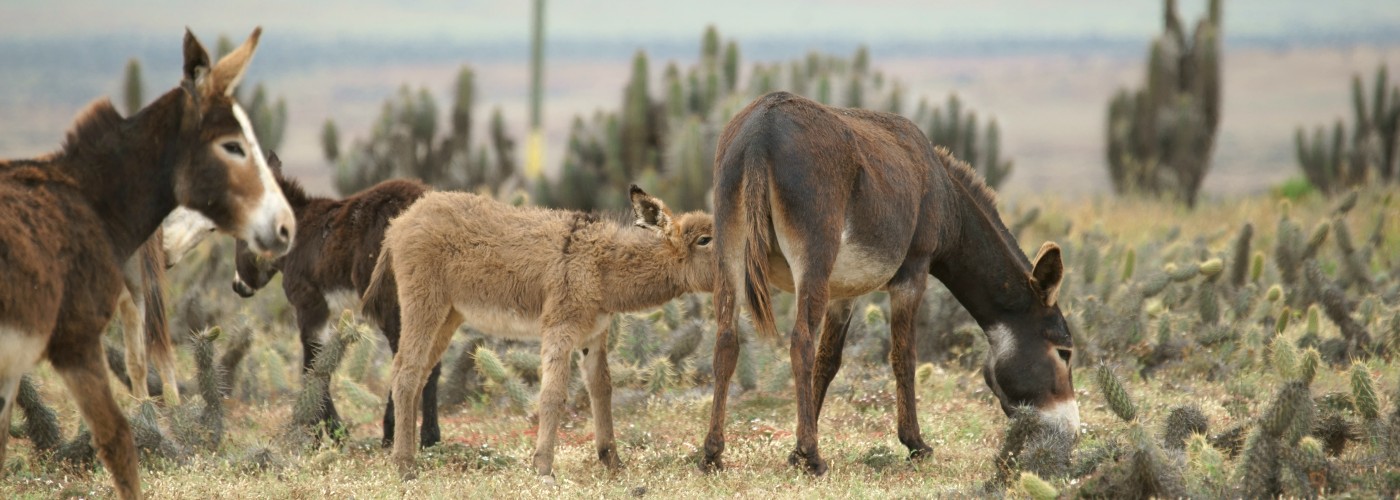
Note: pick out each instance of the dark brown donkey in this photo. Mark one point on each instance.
(72, 218)
(835, 203)
(328, 269)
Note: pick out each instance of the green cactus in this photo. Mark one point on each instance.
(132, 88)
(1240, 260)
(462, 381)
(1160, 137)
(489, 365)
(1182, 423)
(40, 421)
(209, 376)
(1363, 392)
(1036, 488)
(950, 128)
(1285, 358)
(1368, 153)
(1118, 399)
(1258, 470)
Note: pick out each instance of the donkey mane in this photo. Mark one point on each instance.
(94, 121)
(293, 190)
(964, 173)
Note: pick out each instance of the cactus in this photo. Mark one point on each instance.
(1285, 358)
(316, 384)
(211, 417)
(1182, 423)
(1160, 137)
(1369, 155)
(1036, 488)
(40, 421)
(132, 88)
(1363, 393)
(1118, 399)
(1240, 260)
(950, 128)
(462, 381)
(1258, 470)
(1338, 309)
(240, 340)
(489, 365)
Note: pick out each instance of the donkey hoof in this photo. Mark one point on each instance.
(920, 453)
(407, 470)
(813, 465)
(711, 464)
(609, 458)
(547, 480)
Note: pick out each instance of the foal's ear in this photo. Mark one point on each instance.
(1048, 271)
(196, 81)
(651, 212)
(274, 163)
(229, 70)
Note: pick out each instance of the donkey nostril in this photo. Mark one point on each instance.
(284, 233)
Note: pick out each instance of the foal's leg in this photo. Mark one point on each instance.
(726, 358)
(133, 314)
(428, 332)
(599, 381)
(431, 433)
(84, 372)
(556, 346)
(906, 294)
(313, 319)
(838, 321)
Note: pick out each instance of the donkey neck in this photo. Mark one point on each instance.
(637, 270)
(125, 167)
(983, 267)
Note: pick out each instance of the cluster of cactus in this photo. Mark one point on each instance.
(667, 138)
(404, 142)
(951, 128)
(1161, 136)
(1369, 154)
(316, 384)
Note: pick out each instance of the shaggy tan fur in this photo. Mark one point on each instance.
(530, 273)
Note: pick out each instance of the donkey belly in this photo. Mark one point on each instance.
(856, 271)
(500, 322)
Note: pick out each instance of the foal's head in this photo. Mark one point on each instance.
(224, 176)
(1029, 363)
(686, 239)
(252, 270)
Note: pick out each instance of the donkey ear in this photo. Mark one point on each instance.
(196, 66)
(1048, 271)
(274, 163)
(229, 70)
(651, 212)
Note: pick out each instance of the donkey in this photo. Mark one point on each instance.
(328, 269)
(528, 273)
(858, 201)
(73, 217)
(145, 331)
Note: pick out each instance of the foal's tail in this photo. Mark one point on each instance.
(757, 217)
(380, 300)
(158, 346)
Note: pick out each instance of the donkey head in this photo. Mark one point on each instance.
(182, 230)
(251, 270)
(225, 177)
(687, 239)
(1031, 348)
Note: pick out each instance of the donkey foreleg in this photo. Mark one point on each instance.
(423, 344)
(838, 321)
(556, 345)
(906, 294)
(599, 381)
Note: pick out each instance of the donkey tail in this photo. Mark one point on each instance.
(758, 215)
(159, 348)
(380, 300)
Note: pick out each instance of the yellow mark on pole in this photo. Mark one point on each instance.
(534, 154)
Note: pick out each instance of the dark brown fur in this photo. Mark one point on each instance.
(72, 218)
(336, 249)
(833, 203)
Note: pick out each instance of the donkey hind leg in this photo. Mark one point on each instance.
(556, 345)
(906, 294)
(134, 339)
(19, 352)
(838, 321)
(85, 375)
(425, 342)
(726, 298)
(599, 382)
(431, 432)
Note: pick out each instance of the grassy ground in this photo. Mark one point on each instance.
(660, 425)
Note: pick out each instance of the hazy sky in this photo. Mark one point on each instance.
(871, 20)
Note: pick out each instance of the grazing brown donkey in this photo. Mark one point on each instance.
(74, 217)
(328, 268)
(529, 273)
(858, 201)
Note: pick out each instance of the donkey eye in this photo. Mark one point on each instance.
(233, 148)
(702, 241)
(1065, 354)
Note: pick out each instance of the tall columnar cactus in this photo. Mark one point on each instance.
(132, 87)
(1161, 136)
(950, 127)
(1333, 163)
